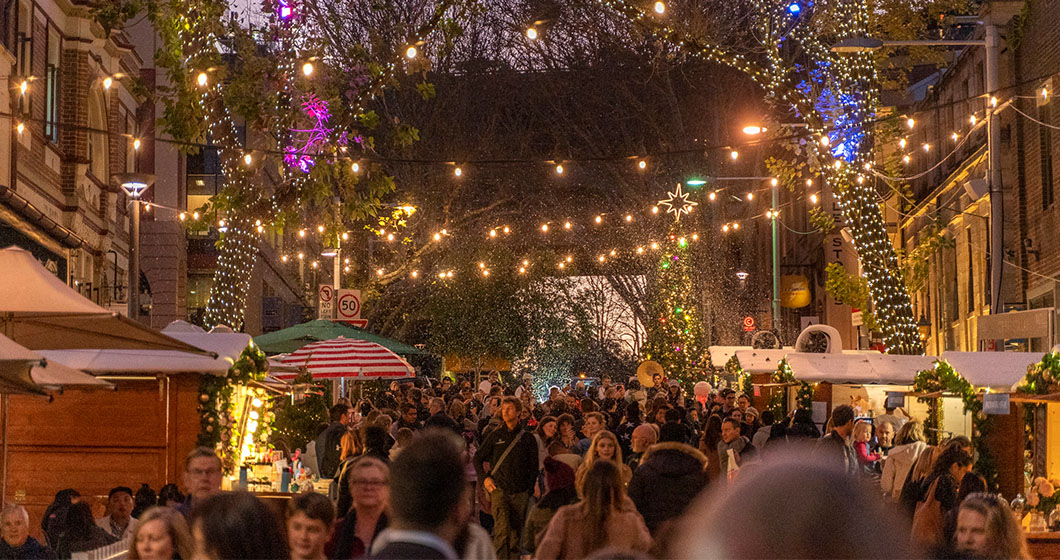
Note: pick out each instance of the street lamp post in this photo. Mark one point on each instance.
(134, 185)
(993, 135)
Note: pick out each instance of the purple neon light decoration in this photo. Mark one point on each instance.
(285, 10)
(315, 137)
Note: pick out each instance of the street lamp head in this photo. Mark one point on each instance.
(857, 45)
(134, 184)
(753, 130)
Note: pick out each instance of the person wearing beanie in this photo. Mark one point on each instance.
(559, 478)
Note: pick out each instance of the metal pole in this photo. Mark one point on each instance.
(776, 265)
(337, 270)
(994, 171)
(134, 261)
(3, 435)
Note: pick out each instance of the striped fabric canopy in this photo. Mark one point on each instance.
(347, 357)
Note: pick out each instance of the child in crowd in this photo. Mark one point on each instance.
(862, 435)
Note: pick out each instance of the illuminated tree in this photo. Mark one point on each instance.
(785, 48)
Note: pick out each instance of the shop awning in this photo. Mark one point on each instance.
(292, 338)
(998, 370)
(25, 371)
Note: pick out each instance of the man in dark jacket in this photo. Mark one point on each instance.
(511, 452)
(669, 477)
(438, 417)
(835, 446)
(429, 498)
(329, 441)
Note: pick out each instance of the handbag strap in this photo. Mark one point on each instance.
(507, 450)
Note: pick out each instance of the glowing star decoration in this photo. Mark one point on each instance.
(314, 138)
(678, 203)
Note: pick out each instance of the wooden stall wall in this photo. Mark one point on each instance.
(94, 441)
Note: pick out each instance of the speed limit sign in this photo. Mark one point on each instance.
(348, 307)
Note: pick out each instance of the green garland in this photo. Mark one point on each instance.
(778, 402)
(733, 368)
(1042, 378)
(943, 378)
(216, 421)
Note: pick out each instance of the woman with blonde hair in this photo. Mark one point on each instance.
(908, 446)
(162, 534)
(604, 518)
(604, 447)
(986, 528)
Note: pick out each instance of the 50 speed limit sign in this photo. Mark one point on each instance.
(348, 305)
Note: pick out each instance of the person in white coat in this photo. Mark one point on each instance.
(909, 444)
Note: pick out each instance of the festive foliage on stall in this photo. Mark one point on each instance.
(675, 338)
(298, 422)
(1042, 378)
(216, 414)
(944, 379)
(741, 378)
(778, 401)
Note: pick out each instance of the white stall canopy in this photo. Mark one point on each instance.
(226, 344)
(857, 368)
(997, 370)
(761, 360)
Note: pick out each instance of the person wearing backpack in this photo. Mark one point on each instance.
(511, 452)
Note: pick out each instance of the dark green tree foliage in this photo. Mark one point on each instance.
(298, 423)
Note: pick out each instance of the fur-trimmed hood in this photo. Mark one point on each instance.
(669, 456)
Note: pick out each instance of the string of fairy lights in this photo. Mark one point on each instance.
(843, 138)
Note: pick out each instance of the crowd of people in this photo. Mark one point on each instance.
(604, 471)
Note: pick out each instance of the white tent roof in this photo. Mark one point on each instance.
(227, 345)
(25, 370)
(761, 360)
(857, 368)
(40, 312)
(1003, 370)
(720, 355)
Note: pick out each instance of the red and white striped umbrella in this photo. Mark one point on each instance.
(347, 357)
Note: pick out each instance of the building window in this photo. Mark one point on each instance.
(97, 141)
(51, 86)
(1045, 147)
(24, 40)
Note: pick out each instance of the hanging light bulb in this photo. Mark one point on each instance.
(410, 52)
(750, 196)
(493, 233)
(825, 140)
(415, 274)
(437, 237)
(522, 270)
(734, 155)
(640, 250)
(202, 79)
(902, 143)
(195, 215)
(598, 219)
(813, 198)
(642, 164)
(248, 159)
(544, 228)
(725, 228)
(654, 245)
(136, 144)
(566, 225)
(320, 229)
(906, 159)
(972, 119)
(629, 218)
(531, 33)
(927, 147)
(559, 169)
(107, 82)
(654, 209)
(307, 69)
(736, 225)
(526, 262)
(507, 229)
(356, 167)
(712, 196)
(660, 8)
(910, 122)
(809, 182)
(570, 258)
(301, 232)
(955, 136)
(380, 272)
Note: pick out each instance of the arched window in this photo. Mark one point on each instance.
(97, 141)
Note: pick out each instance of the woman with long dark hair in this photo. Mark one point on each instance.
(708, 445)
(604, 518)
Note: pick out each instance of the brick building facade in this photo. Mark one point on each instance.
(70, 129)
(950, 191)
